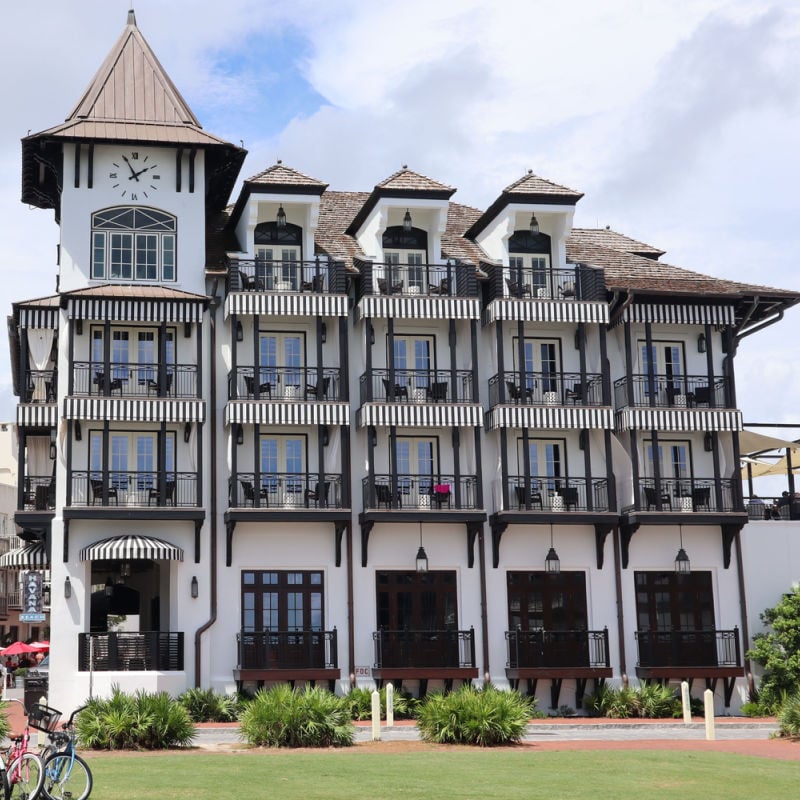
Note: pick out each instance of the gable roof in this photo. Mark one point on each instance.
(130, 99)
(605, 237)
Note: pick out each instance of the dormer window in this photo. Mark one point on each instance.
(133, 244)
(529, 266)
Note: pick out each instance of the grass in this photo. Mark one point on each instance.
(463, 773)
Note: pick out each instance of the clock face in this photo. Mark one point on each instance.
(134, 174)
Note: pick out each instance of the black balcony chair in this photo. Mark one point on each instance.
(442, 289)
(567, 290)
(246, 283)
(436, 392)
(701, 497)
(318, 391)
(152, 384)
(700, 396)
(316, 284)
(399, 389)
(515, 290)
(652, 498)
(519, 394)
(96, 486)
(263, 388)
(383, 495)
(397, 288)
(534, 498)
(319, 499)
(50, 391)
(672, 392)
(114, 385)
(250, 494)
(169, 494)
(571, 497)
(575, 394)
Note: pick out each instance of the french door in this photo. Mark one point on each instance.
(283, 466)
(665, 360)
(134, 353)
(409, 266)
(675, 463)
(413, 353)
(547, 458)
(533, 270)
(281, 359)
(279, 268)
(416, 459)
(541, 362)
(132, 462)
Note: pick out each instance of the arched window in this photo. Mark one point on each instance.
(134, 244)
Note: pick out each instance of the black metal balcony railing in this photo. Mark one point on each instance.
(545, 648)
(676, 391)
(695, 648)
(41, 386)
(148, 650)
(134, 380)
(424, 649)
(689, 494)
(280, 649)
(543, 284)
(285, 277)
(286, 490)
(133, 488)
(285, 383)
(414, 280)
(546, 389)
(437, 492)
(417, 386)
(39, 493)
(543, 493)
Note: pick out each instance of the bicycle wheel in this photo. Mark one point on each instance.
(25, 777)
(67, 778)
(4, 787)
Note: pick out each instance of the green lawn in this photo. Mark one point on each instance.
(462, 774)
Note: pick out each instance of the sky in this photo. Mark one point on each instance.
(679, 120)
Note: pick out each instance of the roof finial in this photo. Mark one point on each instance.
(405, 166)
(131, 18)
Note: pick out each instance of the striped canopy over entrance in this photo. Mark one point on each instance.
(131, 548)
(32, 556)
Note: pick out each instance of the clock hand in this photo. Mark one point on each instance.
(130, 167)
(137, 174)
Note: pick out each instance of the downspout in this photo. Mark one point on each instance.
(212, 419)
(615, 316)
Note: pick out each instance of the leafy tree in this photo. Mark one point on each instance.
(778, 651)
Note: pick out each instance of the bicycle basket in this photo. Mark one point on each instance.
(43, 718)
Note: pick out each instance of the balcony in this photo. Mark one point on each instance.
(549, 284)
(41, 386)
(134, 380)
(665, 391)
(546, 389)
(125, 489)
(417, 386)
(39, 493)
(548, 494)
(416, 280)
(286, 277)
(421, 492)
(689, 495)
(286, 490)
(148, 650)
(286, 383)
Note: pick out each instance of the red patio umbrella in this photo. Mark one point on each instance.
(44, 645)
(18, 648)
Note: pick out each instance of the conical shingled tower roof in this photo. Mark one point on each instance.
(130, 99)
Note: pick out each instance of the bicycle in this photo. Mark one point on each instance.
(66, 775)
(23, 774)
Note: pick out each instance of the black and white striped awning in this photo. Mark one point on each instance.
(46, 318)
(135, 310)
(37, 415)
(570, 311)
(670, 419)
(677, 314)
(116, 409)
(286, 305)
(414, 307)
(420, 415)
(555, 417)
(32, 556)
(131, 548)
(246, 412)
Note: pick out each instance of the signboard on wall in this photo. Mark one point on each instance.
(32, 592)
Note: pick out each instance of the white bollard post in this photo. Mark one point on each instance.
(389, 705)
(376, 716)
(686, 701)
(708, 703)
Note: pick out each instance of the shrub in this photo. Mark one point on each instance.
(485, 717)
(789, 716)
(5, 726)
(359, 701)
(650, 701)
(206, 705)
(134, 722)
(778, 652)
(286, 717)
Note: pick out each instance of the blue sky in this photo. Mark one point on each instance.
(678, 119)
